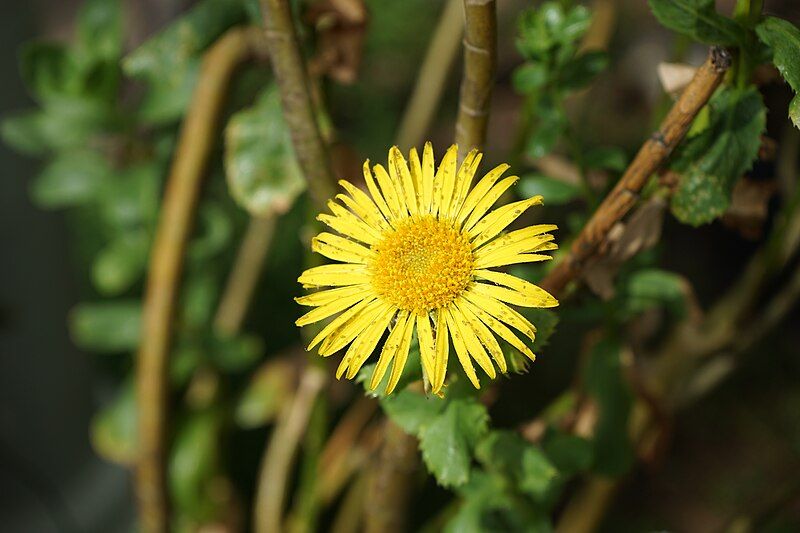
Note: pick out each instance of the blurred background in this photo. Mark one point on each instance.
(736, 451)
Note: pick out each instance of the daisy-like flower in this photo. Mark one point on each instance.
(416, 255)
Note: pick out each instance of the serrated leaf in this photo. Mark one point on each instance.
(99, 30)
(712, 162)
(580, 71)
(794, 110)
(549, 26)
(783, 38)
(130, 201)
(447, 442)
(697, 19)
(260, 166)
(169, 61)
(113, 429)
(73, 178)
(650, 287)
(107, 326)
(529, 77)
(555, 192)
(411, 410)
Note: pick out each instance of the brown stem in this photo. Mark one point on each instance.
(278, 459)
(390, 480)
(298, 110)
(244, 275)
(480, 63)
(197, 137)
(651, 156)
(432, 76)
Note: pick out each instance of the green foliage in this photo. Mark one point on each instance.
(556, 192)
(711, 162)
(170, 61)
(72, 178)
(111, 326)
(261, 168)
(113, 429)
(697, 19)
(613, 453)
(784, 39)
(652, 287)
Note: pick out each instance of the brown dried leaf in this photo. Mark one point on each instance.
(675, 77)
(749, 207)
(341, 27)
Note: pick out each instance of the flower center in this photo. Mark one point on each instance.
(422, 265)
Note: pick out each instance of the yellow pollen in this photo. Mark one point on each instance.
(424, 264)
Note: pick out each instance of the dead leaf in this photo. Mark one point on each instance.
(625, 239)
(341, 28)
(749, 207)
(675, 77)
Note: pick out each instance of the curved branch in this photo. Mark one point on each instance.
(196, 140)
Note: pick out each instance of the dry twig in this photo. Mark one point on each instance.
(650, 157)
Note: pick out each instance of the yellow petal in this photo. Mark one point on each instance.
(324, 311)
(401, 357)
(365, 334)
(479, 191)
(501, 311)
(391, 191)
(442, 349)
(471, 341)
(487, 201)
(342, 213)
(389, 350)
(370, 339)
(486, 337)
(341, 320)
(427, 348)
(444, 181)
(361, 204)
(415, 166)
(513, 260)
(464, 180)
(352, 329)
(377, 197)
(509, 245)
(532, 235)
(398, 170)
(499, 219)
(499, 328)
(461, 350)
(327, 296)
(534, 296)
(345, 227)
(341, 249)
(427, 179)
(336, 275)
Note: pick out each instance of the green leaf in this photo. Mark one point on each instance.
(542, 31)
(711, 162)
(555, 192)
(613, 451)
(649, 288)
(235, 354)
(262, 398)
(130, 201)
(261, 168)
(697, 19)
(551, 123)
(193, 463)
(100, 30)
(169, 62)
(23, 132)
(529, 77)
(214, 232)
(412, 371)
(447, 442)
(198, 299)
(784, 39)
(120, 264)
(73, 178)
(794, 110)
(113, 429)
(48, 70)
(606, 158)
(579, 72)
(569, 453)
(411, 410)
(545, 321)
(538, 474)
(106, 326)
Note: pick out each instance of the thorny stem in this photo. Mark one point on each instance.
(298, 110)
(196, 140)
(480, 63)
(650, 157)
(432, 76)
(277, 462)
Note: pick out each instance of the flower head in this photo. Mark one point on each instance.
(415, 254)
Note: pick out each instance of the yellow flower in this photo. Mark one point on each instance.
(416, 254)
